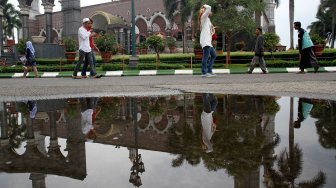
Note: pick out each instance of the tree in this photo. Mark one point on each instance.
(291, 21)
(157, 43)
(330, 6)
(184, 8)
(11, 18)
(271, 40)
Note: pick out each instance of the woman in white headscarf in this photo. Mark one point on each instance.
(30, 60)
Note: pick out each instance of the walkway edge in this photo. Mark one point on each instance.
(165, 72)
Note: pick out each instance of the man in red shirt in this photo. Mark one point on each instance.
(94, 48)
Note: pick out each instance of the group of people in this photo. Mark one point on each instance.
(207, 40)
(207, 37)
(86, 53)
(86, 50)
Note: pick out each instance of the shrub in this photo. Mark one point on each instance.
(21, 46)
(317, 39)
(240, 45)
(106, 42)
(70, 44)
(171, 42)
(271, 40)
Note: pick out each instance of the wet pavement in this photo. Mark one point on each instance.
(170, 140)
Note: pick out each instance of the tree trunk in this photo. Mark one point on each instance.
(228, 48)
(291, 21)
(291, 131)
(333, 31)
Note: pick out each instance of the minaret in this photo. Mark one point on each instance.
(270, 7)
(35, 9)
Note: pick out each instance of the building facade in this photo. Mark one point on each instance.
(115, 17)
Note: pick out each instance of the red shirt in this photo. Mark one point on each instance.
(91, 41)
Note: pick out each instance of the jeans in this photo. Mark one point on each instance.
(209, 102)
(86, 63)
(208, 52)
(88, 56)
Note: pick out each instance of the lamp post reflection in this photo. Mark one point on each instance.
(138, 166)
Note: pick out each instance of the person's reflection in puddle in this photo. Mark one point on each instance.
(88, 107)
(32, 107)
(304, 108)
(207, 120)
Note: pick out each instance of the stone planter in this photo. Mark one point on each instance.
(106, 56)
(38, 39)
(318, 49)
(198, 53)
(70, 56)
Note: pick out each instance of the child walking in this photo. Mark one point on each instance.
(30, 60)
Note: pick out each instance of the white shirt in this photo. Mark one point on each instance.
(206, 25)
(207, 130)
(86, 121)
(84, 39)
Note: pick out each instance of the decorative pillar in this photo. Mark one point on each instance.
(71, 17)
(24, 10)
(3, 123)
(128, 41)
(48, 9)
(122, 37)
(1, 30)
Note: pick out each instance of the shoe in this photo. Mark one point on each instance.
(264, 72)
(250, 72)
(76, 77)
(204, 75)
(212, 74)
(316, 69)
(85, 76)
(97, 76)
(301, 72)
(208, 75)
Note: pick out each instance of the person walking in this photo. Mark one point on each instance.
(258, 53)
(207, 31)
(85, 50)
(93, 48)
(30, 61)
(307, 55)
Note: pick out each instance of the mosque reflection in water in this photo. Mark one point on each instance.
(229, 132)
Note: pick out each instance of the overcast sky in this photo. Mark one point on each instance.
(305, 11)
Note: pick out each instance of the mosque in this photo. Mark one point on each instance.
(115, 16)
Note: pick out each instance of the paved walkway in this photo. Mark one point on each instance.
(165, 72)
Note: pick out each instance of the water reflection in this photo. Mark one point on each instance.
(225, 133)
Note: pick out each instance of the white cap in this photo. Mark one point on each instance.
(86, 20)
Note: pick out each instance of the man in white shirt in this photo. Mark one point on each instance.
(85, 50)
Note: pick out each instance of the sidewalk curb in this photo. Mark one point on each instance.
(164, 72)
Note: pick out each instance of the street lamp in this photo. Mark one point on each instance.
(133, 60)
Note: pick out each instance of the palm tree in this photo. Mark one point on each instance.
(291, 21)
(330, 6)
(11, 18)
(184, 8)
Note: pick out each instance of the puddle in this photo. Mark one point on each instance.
(189, 140)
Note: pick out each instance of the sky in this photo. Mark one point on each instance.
(305, 11)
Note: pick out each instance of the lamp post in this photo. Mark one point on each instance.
(133, 60)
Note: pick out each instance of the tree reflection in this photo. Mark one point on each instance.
(289, 163)
(239, 144)
(290, 168)
(325, 112)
